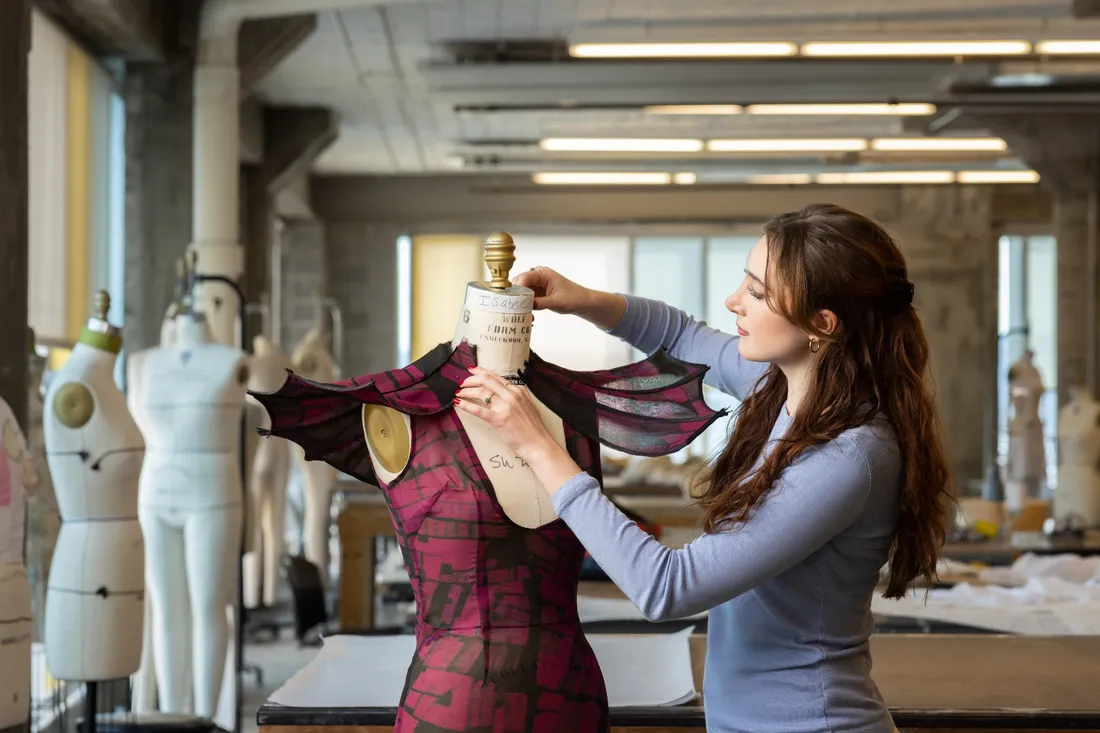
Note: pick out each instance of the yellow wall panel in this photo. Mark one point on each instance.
(441, 267)
(77, 214)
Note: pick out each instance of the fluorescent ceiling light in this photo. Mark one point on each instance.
(939, 144)
(694, 109)
(781, 178)
(903, 109)
(607, 179)
(686, 178)
(887, 177)
(681, 50)
(786, 145)
(1067, 47)
(917, 48)
(998, 177)
(621, 145)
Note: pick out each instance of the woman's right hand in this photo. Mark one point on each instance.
(553, 291)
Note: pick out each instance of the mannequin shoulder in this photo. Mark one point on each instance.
(388, 436)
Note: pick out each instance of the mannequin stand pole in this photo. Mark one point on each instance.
(242, 309)
(91, 706)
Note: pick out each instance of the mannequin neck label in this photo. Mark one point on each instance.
(503, 340)
(499, 302)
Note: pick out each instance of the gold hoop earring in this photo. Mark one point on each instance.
(815, 346)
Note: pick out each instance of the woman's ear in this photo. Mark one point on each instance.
(826, 321)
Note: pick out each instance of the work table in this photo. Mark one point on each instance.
(931, 682)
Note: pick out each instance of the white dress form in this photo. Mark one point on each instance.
(267, 484)
(15, 592)
(1025, 469)
(311, 359)
(188, 398)
(1076, 501)
(95, 600)
(43, 515)
(498, 323)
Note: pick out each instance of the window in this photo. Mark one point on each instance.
(1028, 320)
(598, 262)
(74, 189)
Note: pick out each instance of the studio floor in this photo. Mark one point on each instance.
(279, 661)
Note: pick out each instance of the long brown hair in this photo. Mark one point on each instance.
(874, 362)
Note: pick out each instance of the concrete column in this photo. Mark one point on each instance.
(1075, 230)
(15, 34)
(946, 234)
(158, 192)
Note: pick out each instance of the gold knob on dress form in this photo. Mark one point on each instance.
(102, 305)
(500, 255)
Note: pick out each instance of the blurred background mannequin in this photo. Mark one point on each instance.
(43, 516)
(313, 360)
(95, 601)
(188, 399)
(270, 468)
(1077, 498)
(15, 593)
(1025, 468)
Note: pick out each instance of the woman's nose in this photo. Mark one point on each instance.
(733, 301)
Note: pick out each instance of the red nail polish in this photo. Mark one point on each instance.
(456, 400)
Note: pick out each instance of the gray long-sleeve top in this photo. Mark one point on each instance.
(789, 591)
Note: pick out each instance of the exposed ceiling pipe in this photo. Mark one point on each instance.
(216, 201)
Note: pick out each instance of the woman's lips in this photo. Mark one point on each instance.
(742, 332)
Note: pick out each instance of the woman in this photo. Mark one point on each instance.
(834, 468)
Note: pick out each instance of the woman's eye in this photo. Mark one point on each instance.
(753, 293)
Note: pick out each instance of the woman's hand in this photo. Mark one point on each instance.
(513, 413)
(508, 408)
(555, 292)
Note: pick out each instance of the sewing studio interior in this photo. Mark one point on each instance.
(549, 366)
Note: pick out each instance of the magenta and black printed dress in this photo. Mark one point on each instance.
(499, 647)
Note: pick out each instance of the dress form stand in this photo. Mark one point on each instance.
(1025, 469)
(267, 484)
(496, 318)
(43, 516)
(188, 399)
(1077, 498)
(15, 592)
(312, 360)
(95, 598)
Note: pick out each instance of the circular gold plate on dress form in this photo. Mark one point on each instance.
(387, 435)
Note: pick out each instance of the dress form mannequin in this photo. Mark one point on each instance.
(43, 516)
(1025, 470)
(267, 484)
(95, 600)
(496, 318)
(15, 592)
(311, 359)
(188, 398)
(1077, 499)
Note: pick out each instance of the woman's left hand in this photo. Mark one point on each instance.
(507, 407)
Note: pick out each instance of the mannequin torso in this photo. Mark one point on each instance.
(1025, 470)
(498, 323)
(267, 483)
(188, 399)
(43, 515)
(1077, 498)
(15, 596)
(94, 605)
(311, 359)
